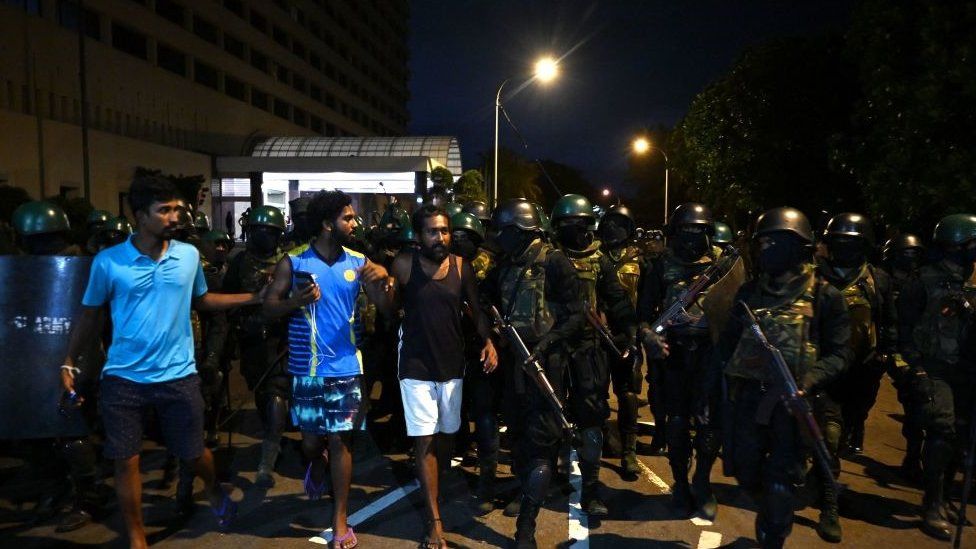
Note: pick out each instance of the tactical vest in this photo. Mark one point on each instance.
(255, 273)
(945, 320)
(676, 276)
(861, 299)
(587, 265)
(523, 294)
(625, 262)
(787, 327)
(482, 263)
(365, 317)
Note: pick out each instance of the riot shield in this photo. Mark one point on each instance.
(718, 302)
(39, 299)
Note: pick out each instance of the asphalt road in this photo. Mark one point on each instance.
(878, 507)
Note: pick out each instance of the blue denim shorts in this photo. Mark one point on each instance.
(324, 405)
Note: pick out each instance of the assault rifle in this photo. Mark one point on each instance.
(785, 390)
(603, 331)
(714, 272)
(533, 368)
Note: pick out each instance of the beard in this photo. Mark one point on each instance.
(437, 252)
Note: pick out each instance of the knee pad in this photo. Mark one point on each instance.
(80, 455)
(537, 481)
(592, 447)
(276, 415)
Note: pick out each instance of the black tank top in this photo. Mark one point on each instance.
(431, 339)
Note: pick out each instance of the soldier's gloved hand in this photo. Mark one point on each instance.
(656, 345)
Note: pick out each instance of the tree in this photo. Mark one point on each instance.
(517, 176)
(567, 179)
(760, 136)
(912, 147)
(442, 176)
(469, 187)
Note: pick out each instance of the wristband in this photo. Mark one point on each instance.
(71, 369)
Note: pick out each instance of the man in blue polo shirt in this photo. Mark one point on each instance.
(149, 283)
(327, 368)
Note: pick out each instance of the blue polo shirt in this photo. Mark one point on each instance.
(152, 340)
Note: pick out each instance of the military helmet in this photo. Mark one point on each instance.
(394, 217)
(216, 236)
(904, 241)
(201, 221)
(691, 213)
(518, 212)
(785, 219)
(98, 217)
(478, 209)
(955, 229)
(849, 224)
(268, 216)
(572, 205)
(467, 222)
(453, 208)
(723, 234)
(407, 236)
(624, 212)
(299, 205)
(116, 225)
(39, 217)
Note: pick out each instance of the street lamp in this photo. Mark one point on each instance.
(546, 70)
(641, 146)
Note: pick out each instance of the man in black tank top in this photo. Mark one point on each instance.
(433, 285)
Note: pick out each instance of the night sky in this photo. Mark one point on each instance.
(631, 65)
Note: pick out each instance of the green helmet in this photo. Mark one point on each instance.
(407, 235)
(268, 216)
(394, 218)
(784, 219)
(468, 222)
(116, 225)
(453, 208)
(39, 217)
(98, 217)
(954, 229)
(478, 209)
(690, 213)
(572, 205)
(216, 236)
(201, 221)
(723, 234)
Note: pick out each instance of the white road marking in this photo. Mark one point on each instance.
(579, 528)
(654, 479)
(698, 521)
(709, 540)
(366, 512)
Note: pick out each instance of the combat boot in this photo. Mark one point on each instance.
(269, 454)
(938, 454)
(525, 524)
(512, 507)
(701, 487)
(485, 500)
(934, 522)
(628, 462)
(829, 526)
(681, 497)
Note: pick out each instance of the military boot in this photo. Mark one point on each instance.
(701, 487)
(938, 454)
(829, 526)
(628, 462)
(269, 454)
(525, 524)
(512, 507)
(485, 501)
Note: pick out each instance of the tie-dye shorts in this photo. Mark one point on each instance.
(326, 405)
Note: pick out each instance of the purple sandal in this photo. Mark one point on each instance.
(348, 541)
(312, 490)
(226, 513)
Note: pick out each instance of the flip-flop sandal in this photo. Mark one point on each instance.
(348, 541)
(312, 490)
(227, 511)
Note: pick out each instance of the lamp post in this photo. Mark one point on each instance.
(641, 146)
(546, 69)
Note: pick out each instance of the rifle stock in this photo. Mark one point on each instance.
(714, 272)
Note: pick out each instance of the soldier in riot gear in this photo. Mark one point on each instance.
(535, 287)
(93, 225)
(214, 362)
(480, 210)
(842, 408)
(935, 321)
(901, 257)
(688, 399)
(623, 259)
(260, 341)
(723, 236)
(589, 371)
(301, 233)
(115, 231)
(480, 399)
(806, 319)
(201, 222)
(42, 229)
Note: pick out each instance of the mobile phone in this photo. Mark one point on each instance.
(303, 279)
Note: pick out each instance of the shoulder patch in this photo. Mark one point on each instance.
(354, 253)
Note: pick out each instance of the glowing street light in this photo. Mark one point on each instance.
(606, 192)
(641, 145)
(546, 70)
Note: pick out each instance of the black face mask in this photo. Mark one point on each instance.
(690, 246)
(613, 232)
(907, 262)
(513, 240)
(302, 228)
(782, 254)
(463, 246)
(263, 240)
(574, 237)
(964, 256)
(847, 254)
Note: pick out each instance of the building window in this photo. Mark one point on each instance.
(315, 61)
(282, 73)
(316, 124)
(330, 130)
(172, 60)
(316, 93)
(234, 46)
(68, 18)
(259, 99)
(282, 109)
(259, 22)
(235, 6)
(259, 61)
(234, 88)
(130, 41)
(330, 101)
(298, 48)
(32, 7)
(280, 36)
(204, 29)
(299, 117)
(204, 74)
(171, 11)
(298, 82)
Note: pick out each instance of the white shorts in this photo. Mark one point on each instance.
(431, 407)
